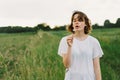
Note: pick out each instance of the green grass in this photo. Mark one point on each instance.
(29, 56)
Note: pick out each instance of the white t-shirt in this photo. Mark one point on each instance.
(82, 55)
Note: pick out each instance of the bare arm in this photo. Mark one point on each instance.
(66, 57)
(97, 69)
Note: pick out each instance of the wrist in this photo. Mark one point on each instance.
(69, 46)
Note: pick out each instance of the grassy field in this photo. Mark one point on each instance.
(28, 56)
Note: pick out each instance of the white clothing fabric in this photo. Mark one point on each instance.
(82, 55)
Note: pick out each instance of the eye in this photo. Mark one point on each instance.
(74, 20)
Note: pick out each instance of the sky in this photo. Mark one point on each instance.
(56, 12)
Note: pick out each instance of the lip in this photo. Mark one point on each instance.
(76, 27)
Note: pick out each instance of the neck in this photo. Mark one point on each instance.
(79, 34)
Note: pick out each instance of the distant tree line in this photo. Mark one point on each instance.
(16, 29)
(45, 27)
(108, 24)
(20, 29)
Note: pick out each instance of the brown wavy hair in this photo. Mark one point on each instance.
(82, 17)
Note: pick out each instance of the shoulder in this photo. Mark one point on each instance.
(93, 39)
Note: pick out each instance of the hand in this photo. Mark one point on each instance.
(70, 40)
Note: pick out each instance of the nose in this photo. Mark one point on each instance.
(76, 22)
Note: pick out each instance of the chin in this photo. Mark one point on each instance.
(80, 29)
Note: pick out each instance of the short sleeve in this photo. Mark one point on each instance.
(97, 50)
(62, 49)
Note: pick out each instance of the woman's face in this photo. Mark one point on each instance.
(78, 24)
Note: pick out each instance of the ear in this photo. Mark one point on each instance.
(85, 25)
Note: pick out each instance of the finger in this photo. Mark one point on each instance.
(69, 39)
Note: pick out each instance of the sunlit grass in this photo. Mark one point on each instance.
(34, 56)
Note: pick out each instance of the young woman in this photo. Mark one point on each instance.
(80, 51)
